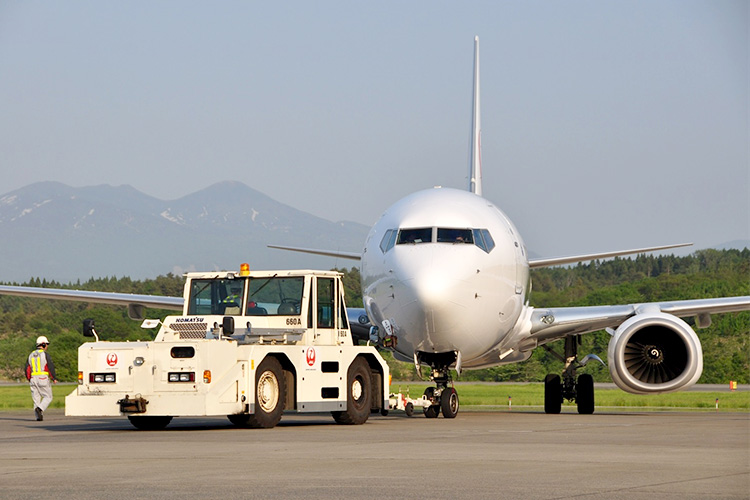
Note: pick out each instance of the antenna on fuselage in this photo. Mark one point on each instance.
(475, 165)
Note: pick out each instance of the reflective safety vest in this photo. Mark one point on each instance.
(38, 363)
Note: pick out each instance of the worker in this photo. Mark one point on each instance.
(40, 370)
(232, 302)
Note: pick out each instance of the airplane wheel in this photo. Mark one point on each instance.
(585, 394)
(449, 402)
(552, 394)
(270, 394)
(358, 395)
(409, 409)
(432, 411)
(149, 423)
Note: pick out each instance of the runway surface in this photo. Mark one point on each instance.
(627, 455)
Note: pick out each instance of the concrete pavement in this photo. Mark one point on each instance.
(680, 455)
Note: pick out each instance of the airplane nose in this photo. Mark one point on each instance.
(434, 299)
(426, 283)
(432, 289)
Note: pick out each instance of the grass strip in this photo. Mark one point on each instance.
(532, 394)
(481, 396)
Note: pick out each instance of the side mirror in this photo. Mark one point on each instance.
(227, 325)
(374, 334)
(88, 327)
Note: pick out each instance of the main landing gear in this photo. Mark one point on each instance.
(580, 389)
(444, 397)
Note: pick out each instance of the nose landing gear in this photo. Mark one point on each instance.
(444, 397)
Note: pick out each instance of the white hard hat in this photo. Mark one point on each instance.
(41, 340)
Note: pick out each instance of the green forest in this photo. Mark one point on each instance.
(704, 274)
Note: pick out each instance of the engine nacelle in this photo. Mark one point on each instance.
(654, 352)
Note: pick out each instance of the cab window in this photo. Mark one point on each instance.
(217, 296)
(325, 303)
(275, 296)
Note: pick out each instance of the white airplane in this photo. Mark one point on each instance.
(445, 282)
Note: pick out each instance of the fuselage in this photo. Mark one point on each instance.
(445, 270)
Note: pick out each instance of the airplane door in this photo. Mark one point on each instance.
(520, 279)
(522, 272)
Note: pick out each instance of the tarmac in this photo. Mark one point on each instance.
(478, 455)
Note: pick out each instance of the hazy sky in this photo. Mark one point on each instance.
(605, 124)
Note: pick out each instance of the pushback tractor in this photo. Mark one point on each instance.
(249, 345)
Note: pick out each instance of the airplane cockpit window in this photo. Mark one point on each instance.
(488, 241)
(389, 239)
(483, 240)
(479, 239)
(445, 235)
(419, 235)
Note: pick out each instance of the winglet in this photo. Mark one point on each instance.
(475, 165)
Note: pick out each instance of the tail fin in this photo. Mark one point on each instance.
(475, 167)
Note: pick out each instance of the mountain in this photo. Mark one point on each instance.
(57, 232)
(740, 244)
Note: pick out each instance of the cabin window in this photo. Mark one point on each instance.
(414, 236)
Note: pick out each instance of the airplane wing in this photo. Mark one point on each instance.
(327, 253)
(358, 320)
(557, 261)
(553, 323)
(134, 302)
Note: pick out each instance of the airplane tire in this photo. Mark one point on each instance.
(552, 394)
(432, 411)
(449, 402)
(270, 395)
(150, 423)
(358, 395)
(585, 394)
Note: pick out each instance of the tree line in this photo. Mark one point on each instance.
(646, 278)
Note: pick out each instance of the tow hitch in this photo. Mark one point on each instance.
(135, 405)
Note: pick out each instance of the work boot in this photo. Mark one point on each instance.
(39, 414)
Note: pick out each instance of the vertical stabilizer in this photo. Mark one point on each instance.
(475, 167)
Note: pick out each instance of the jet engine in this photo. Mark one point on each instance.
(654, 352)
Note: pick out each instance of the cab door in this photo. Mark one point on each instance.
(325, 310)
